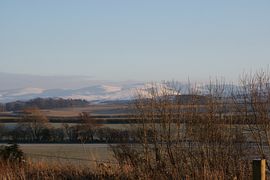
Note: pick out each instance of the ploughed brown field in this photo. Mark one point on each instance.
(100, 111)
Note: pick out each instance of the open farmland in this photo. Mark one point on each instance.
(70, 115)
(68, 153)
(98, 109)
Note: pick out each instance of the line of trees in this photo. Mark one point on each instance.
(36, 128)
(43, 103)
(65, 134)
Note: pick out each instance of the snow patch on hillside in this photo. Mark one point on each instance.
(26, 91)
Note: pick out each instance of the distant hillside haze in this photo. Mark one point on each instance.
(24, 87)
(10, 81)
(91, 93)
(16, 87)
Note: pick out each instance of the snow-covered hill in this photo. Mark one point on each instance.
(97, 93)
(91, 93)
(24, 87)
(15, 87)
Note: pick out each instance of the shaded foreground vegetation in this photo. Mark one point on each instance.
(39, 171)
(14, 165)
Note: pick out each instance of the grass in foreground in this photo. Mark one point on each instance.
(43, 170)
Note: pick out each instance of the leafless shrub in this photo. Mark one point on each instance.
(185, 135)
(252, 102)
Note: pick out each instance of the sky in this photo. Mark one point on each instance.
(146, 40)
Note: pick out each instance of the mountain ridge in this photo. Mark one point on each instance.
(95, 93)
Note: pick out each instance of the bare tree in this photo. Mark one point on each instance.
(252, 101)
(86, 129)
(36, 123)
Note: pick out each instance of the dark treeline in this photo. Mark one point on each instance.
(2, 107)
(43, 103)
(26, 133)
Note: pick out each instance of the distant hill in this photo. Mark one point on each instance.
(25, 87)
(103, 92)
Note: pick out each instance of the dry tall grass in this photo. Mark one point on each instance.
(42, 170)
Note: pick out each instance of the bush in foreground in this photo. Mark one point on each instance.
(11, 154)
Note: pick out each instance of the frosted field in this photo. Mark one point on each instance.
(83, 154)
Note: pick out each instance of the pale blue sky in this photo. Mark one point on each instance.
(139, 39)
